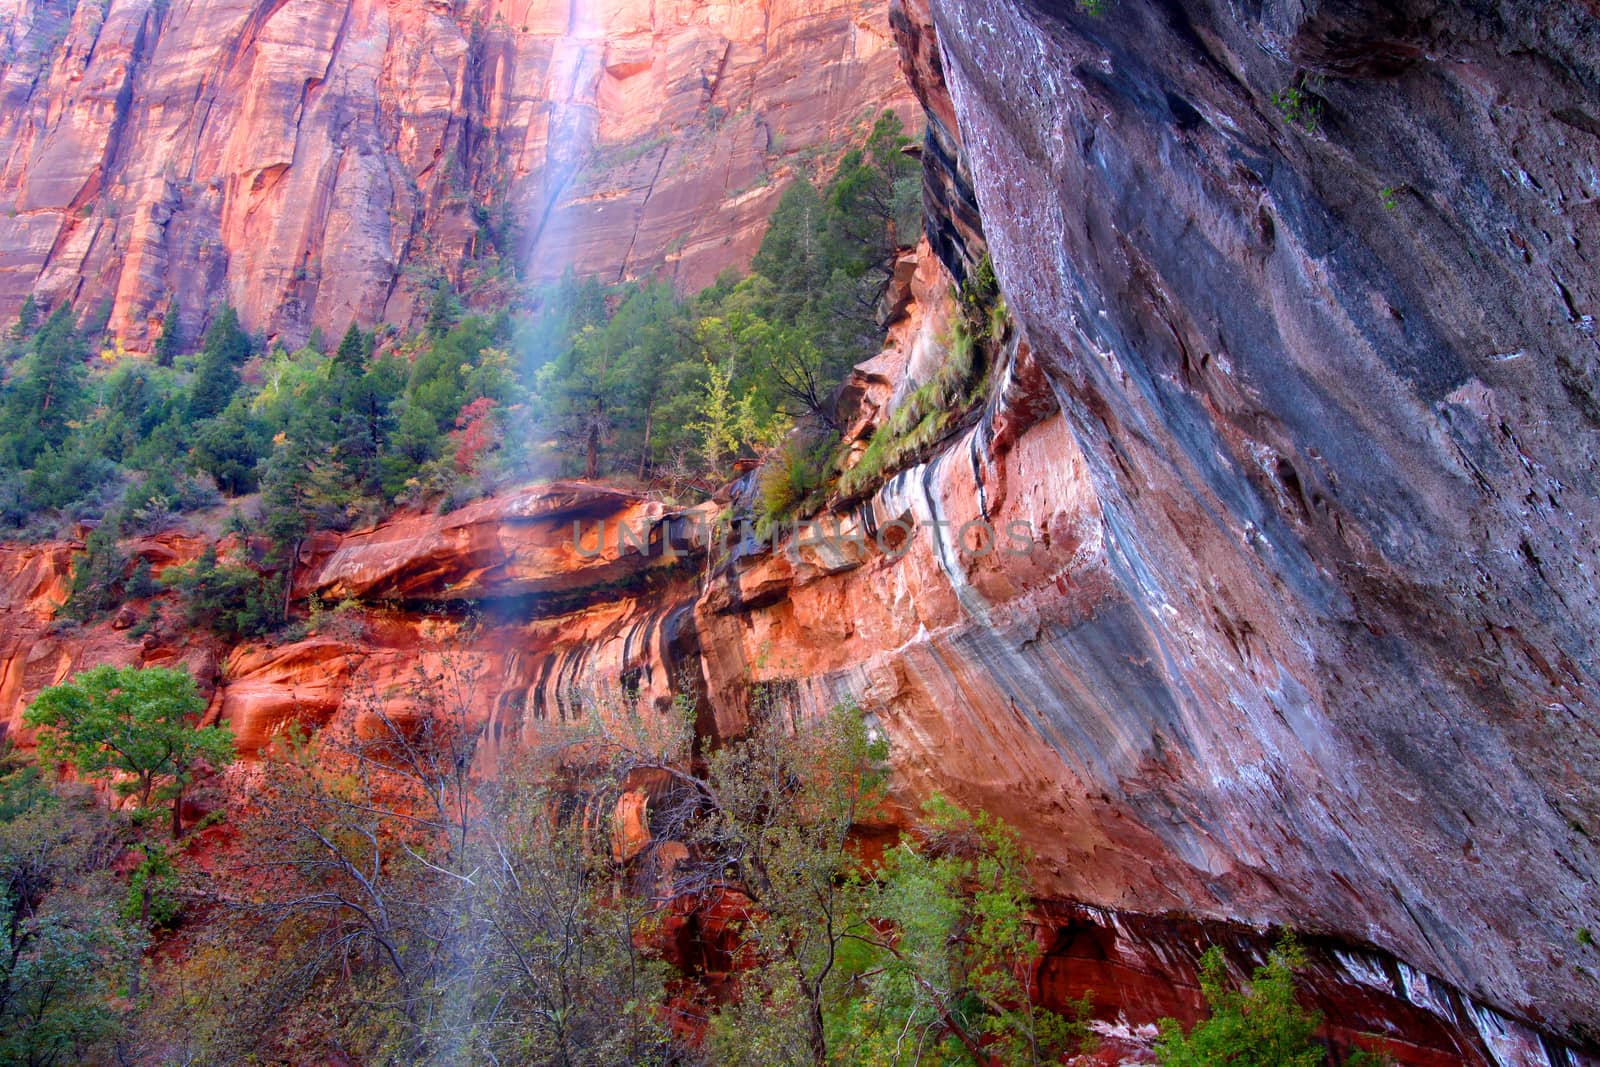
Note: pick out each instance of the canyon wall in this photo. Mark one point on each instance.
(317, 162)
(1299, 417)
(1329, 363)
(1013, 671)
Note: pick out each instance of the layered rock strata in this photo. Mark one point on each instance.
(317, 162)
(1313, 286)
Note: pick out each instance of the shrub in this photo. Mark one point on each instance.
(97, 581)
(1299, 105)
(1260, 1023)
(790, 477)
(922, 417)
(232, 601)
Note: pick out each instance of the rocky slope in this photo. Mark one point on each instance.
(318, 161)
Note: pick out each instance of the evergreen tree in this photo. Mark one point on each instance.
(27, 319)
(216, 378)
(48, 392)
(170, 342)
(351, 356)
(97, 583)
(1260, 1023)
(443, 310)
(229, 447)
(232, 601)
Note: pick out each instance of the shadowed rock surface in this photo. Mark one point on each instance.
(1344, 453)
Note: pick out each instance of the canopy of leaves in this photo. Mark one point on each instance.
(134, 726)
(629, 382)
(65, 954)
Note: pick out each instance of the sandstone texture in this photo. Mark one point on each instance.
(317, 162)
(1017, 675)
(1289, 461)
(1331, 378)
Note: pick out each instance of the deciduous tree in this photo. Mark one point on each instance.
(141, 723)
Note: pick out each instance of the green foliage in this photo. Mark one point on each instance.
(921, 418)
(63, 950)
(231, 600)
(225, 347)
(391, 906)
(170, 341)
(351, 355)
(47, 393)
(979, 297)
(27, 319)
(791, 477)
(959, 956)
(130, 721)
(637, 381)
(727, 425)
(1260, 1023)
(152, 900)
(1390, 195)
(1299, 105)
(925, 415)
(632, 382)
(97, 577)
(443, 310)
(786, 803)
(229, 447)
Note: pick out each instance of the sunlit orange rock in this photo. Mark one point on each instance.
(320, 161)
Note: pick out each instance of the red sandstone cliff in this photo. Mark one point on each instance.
(984, 670)
(1306, 632)
(314, 161)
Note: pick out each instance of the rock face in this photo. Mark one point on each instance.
(320, 161)
(978, 608)
(516, 600)
(1261, 592)
(1330, 368)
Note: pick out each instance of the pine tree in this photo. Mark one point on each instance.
(216, 378)
(442, 310)
(168, 344)
(27, 319)
(352, 353)
(49, 389)
(229, 446)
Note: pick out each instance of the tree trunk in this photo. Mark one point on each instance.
(145, 894)
(817, 1037)
(644, 453)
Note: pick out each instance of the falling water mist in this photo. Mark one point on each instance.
(556, 227)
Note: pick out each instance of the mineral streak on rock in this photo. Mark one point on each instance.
(1303, 631)
(1039, 683)
(1331, 376)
